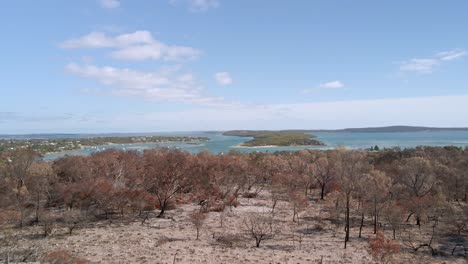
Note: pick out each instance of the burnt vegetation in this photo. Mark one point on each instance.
(413, 200)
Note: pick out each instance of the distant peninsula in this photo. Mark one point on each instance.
(275, 138)
(387, 129)
(54, 145)
(301, 137)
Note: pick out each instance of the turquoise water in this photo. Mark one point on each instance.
(395, 139)
(223, 144)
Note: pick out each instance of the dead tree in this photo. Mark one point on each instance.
(259, 227)
(197, 218)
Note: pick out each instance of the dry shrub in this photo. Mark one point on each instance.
(61, 256)
(383, 249)
(9, 216)
(48, 222)
(259, 227)
(197, 219)
(72, 219)
(8, 243)
(229, 240)
(142, 201)
(231, 201)
(299, 202)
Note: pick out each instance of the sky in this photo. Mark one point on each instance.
(99, 66)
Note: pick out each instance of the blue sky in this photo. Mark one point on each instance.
(182, 65)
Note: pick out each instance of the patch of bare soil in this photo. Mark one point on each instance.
(223, 239)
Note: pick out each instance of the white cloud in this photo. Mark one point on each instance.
(427, 65)
(139, 45)
(419, 65)
(332, 85)
(223, 78)
(156, 51)
(110, 4)
(451, 54)
(92, 40)
(203, 5)
(168, 84)
(328, 85)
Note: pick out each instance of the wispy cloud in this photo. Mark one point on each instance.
(197, 5)
(169, 84)
(139, 45)
(109, 4)
(332, 85)
(21, 117)
(223, 78)
(451, 55)
(427, 65)
(419, 65)
(337, 114)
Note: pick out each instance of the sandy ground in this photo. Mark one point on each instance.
(254, 147)
(172, 240)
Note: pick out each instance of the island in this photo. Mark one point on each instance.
(275, 138)
(47, 146)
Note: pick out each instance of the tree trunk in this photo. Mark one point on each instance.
(21, 223)
(198, 230)
(294, 214)
(375, 216)
(36, 218)
(347, 221)
(362, 224)
(145, 218)
(409, 216)
(163, 209)
(161, 213)
(257, 242)
(322, 191)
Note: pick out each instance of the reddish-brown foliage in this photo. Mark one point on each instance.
(383, 249)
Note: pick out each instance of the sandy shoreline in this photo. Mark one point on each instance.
(242, 146)
(273, 146)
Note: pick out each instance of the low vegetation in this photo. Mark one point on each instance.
(275, 138)
(387, 206)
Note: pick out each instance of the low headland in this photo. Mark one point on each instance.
(275, 138)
